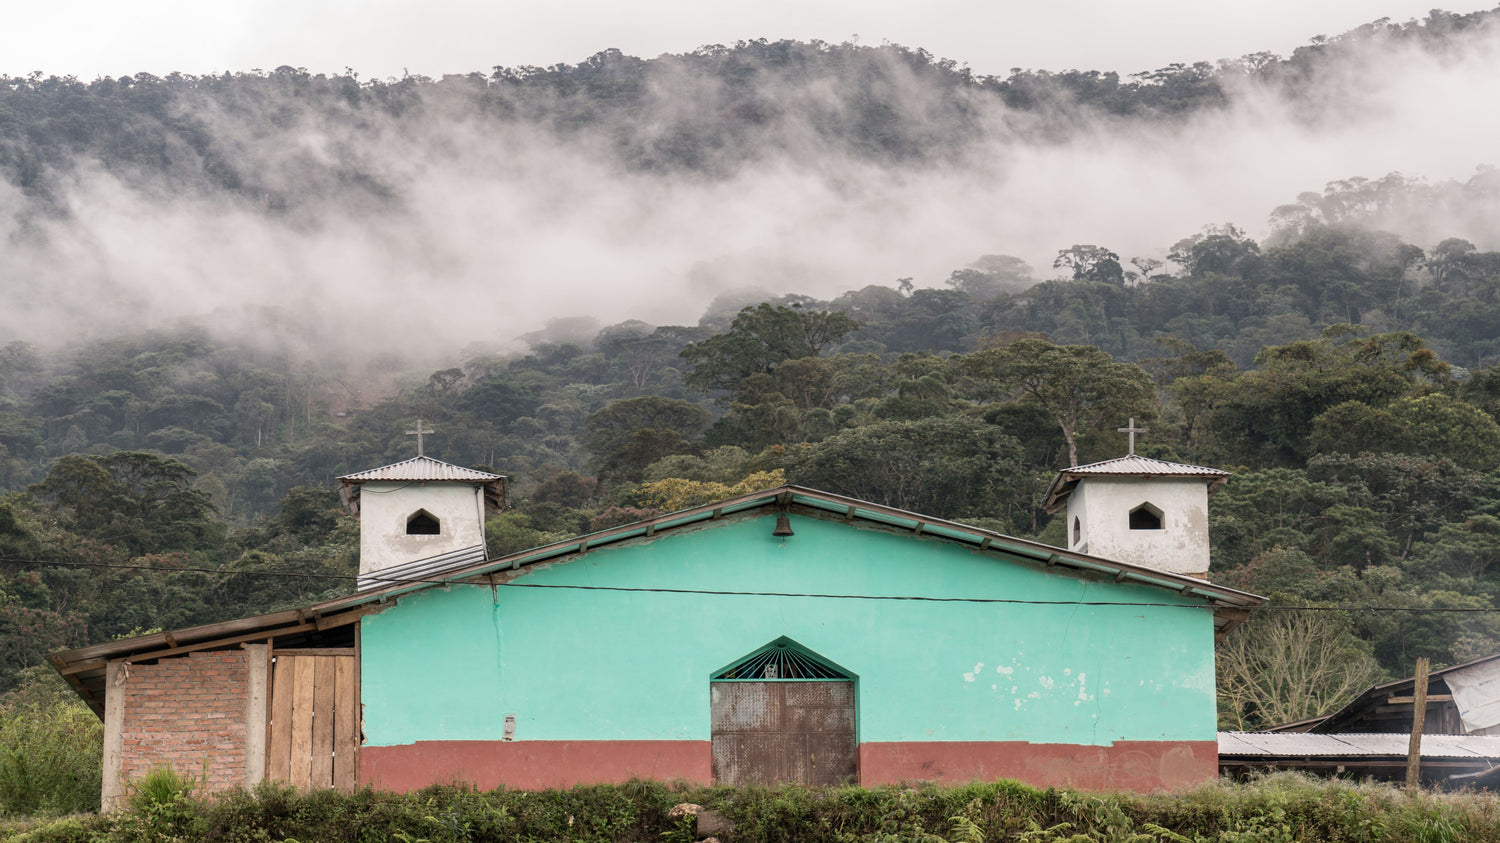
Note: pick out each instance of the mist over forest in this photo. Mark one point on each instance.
(637, 285)
(318, 210)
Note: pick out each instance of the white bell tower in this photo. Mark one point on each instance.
(419, 516)
(1139, 510)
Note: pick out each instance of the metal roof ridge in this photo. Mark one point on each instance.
(1223, 596)
(422, 460)
(1068, 478)
(1196, 469)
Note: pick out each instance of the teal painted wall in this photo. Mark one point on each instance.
(450, 663)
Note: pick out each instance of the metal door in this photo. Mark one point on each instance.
(313, 733)
(783, 731)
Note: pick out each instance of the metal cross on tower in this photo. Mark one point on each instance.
(1129, 429)
(420, 431)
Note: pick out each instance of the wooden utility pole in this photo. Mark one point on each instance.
(1418, 719)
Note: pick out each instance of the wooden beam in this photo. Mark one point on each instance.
(1419, 716)
(345, 618)
(82, 667)
(1431, 698)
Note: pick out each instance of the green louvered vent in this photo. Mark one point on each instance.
(781, 660)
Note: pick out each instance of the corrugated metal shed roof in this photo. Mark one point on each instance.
(1131, 466)
(1371, 697)
(1305, 745)
(421, 469)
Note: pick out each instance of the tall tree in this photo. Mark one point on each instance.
(953, 467)
(628, 435)
(759, 339)
(1288, 666)
(1081, 387)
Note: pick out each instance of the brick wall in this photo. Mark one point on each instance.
(184, 711)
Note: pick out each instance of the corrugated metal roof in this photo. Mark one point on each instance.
(1131, 466)
(421, 469)
(1230, 604)
(431, 566)
(1136, 464)
(1304, 745)
(1340, 718)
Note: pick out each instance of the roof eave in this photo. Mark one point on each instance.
(1229, 600)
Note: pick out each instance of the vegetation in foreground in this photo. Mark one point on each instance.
(1281, 807)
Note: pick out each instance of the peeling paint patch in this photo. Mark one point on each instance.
(1003, 670)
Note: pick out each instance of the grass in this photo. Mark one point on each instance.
(1281, 807)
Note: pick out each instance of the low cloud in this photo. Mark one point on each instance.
(441, 228)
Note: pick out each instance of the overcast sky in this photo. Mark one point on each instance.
(380, 38)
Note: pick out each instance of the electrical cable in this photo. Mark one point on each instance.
(723, 593)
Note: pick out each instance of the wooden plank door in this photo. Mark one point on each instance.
(772, 732)
(313, 729)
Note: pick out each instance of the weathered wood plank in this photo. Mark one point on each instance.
(1431, 698)
(358, 723)
(325, 686)
(282, 681)
(302, 721)
(346, 725)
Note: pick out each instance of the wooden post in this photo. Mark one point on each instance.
(1418, 719)
(112, 790)
(257, 703)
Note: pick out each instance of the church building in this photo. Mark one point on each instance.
(789, 635)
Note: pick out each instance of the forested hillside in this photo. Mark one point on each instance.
(1344, 367)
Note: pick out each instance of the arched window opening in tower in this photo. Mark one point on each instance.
(423, 523)
(1145, 517)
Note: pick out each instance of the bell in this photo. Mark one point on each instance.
(783, 526)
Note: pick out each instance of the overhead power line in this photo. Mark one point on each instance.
(12, 560)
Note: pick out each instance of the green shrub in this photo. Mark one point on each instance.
(1281, 807)
(51, 747)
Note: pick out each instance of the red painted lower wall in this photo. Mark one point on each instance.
(532, 764)
(1127, 765)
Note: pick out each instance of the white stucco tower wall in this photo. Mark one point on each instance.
(1138, 510)
(420, 516)
(385, 509)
